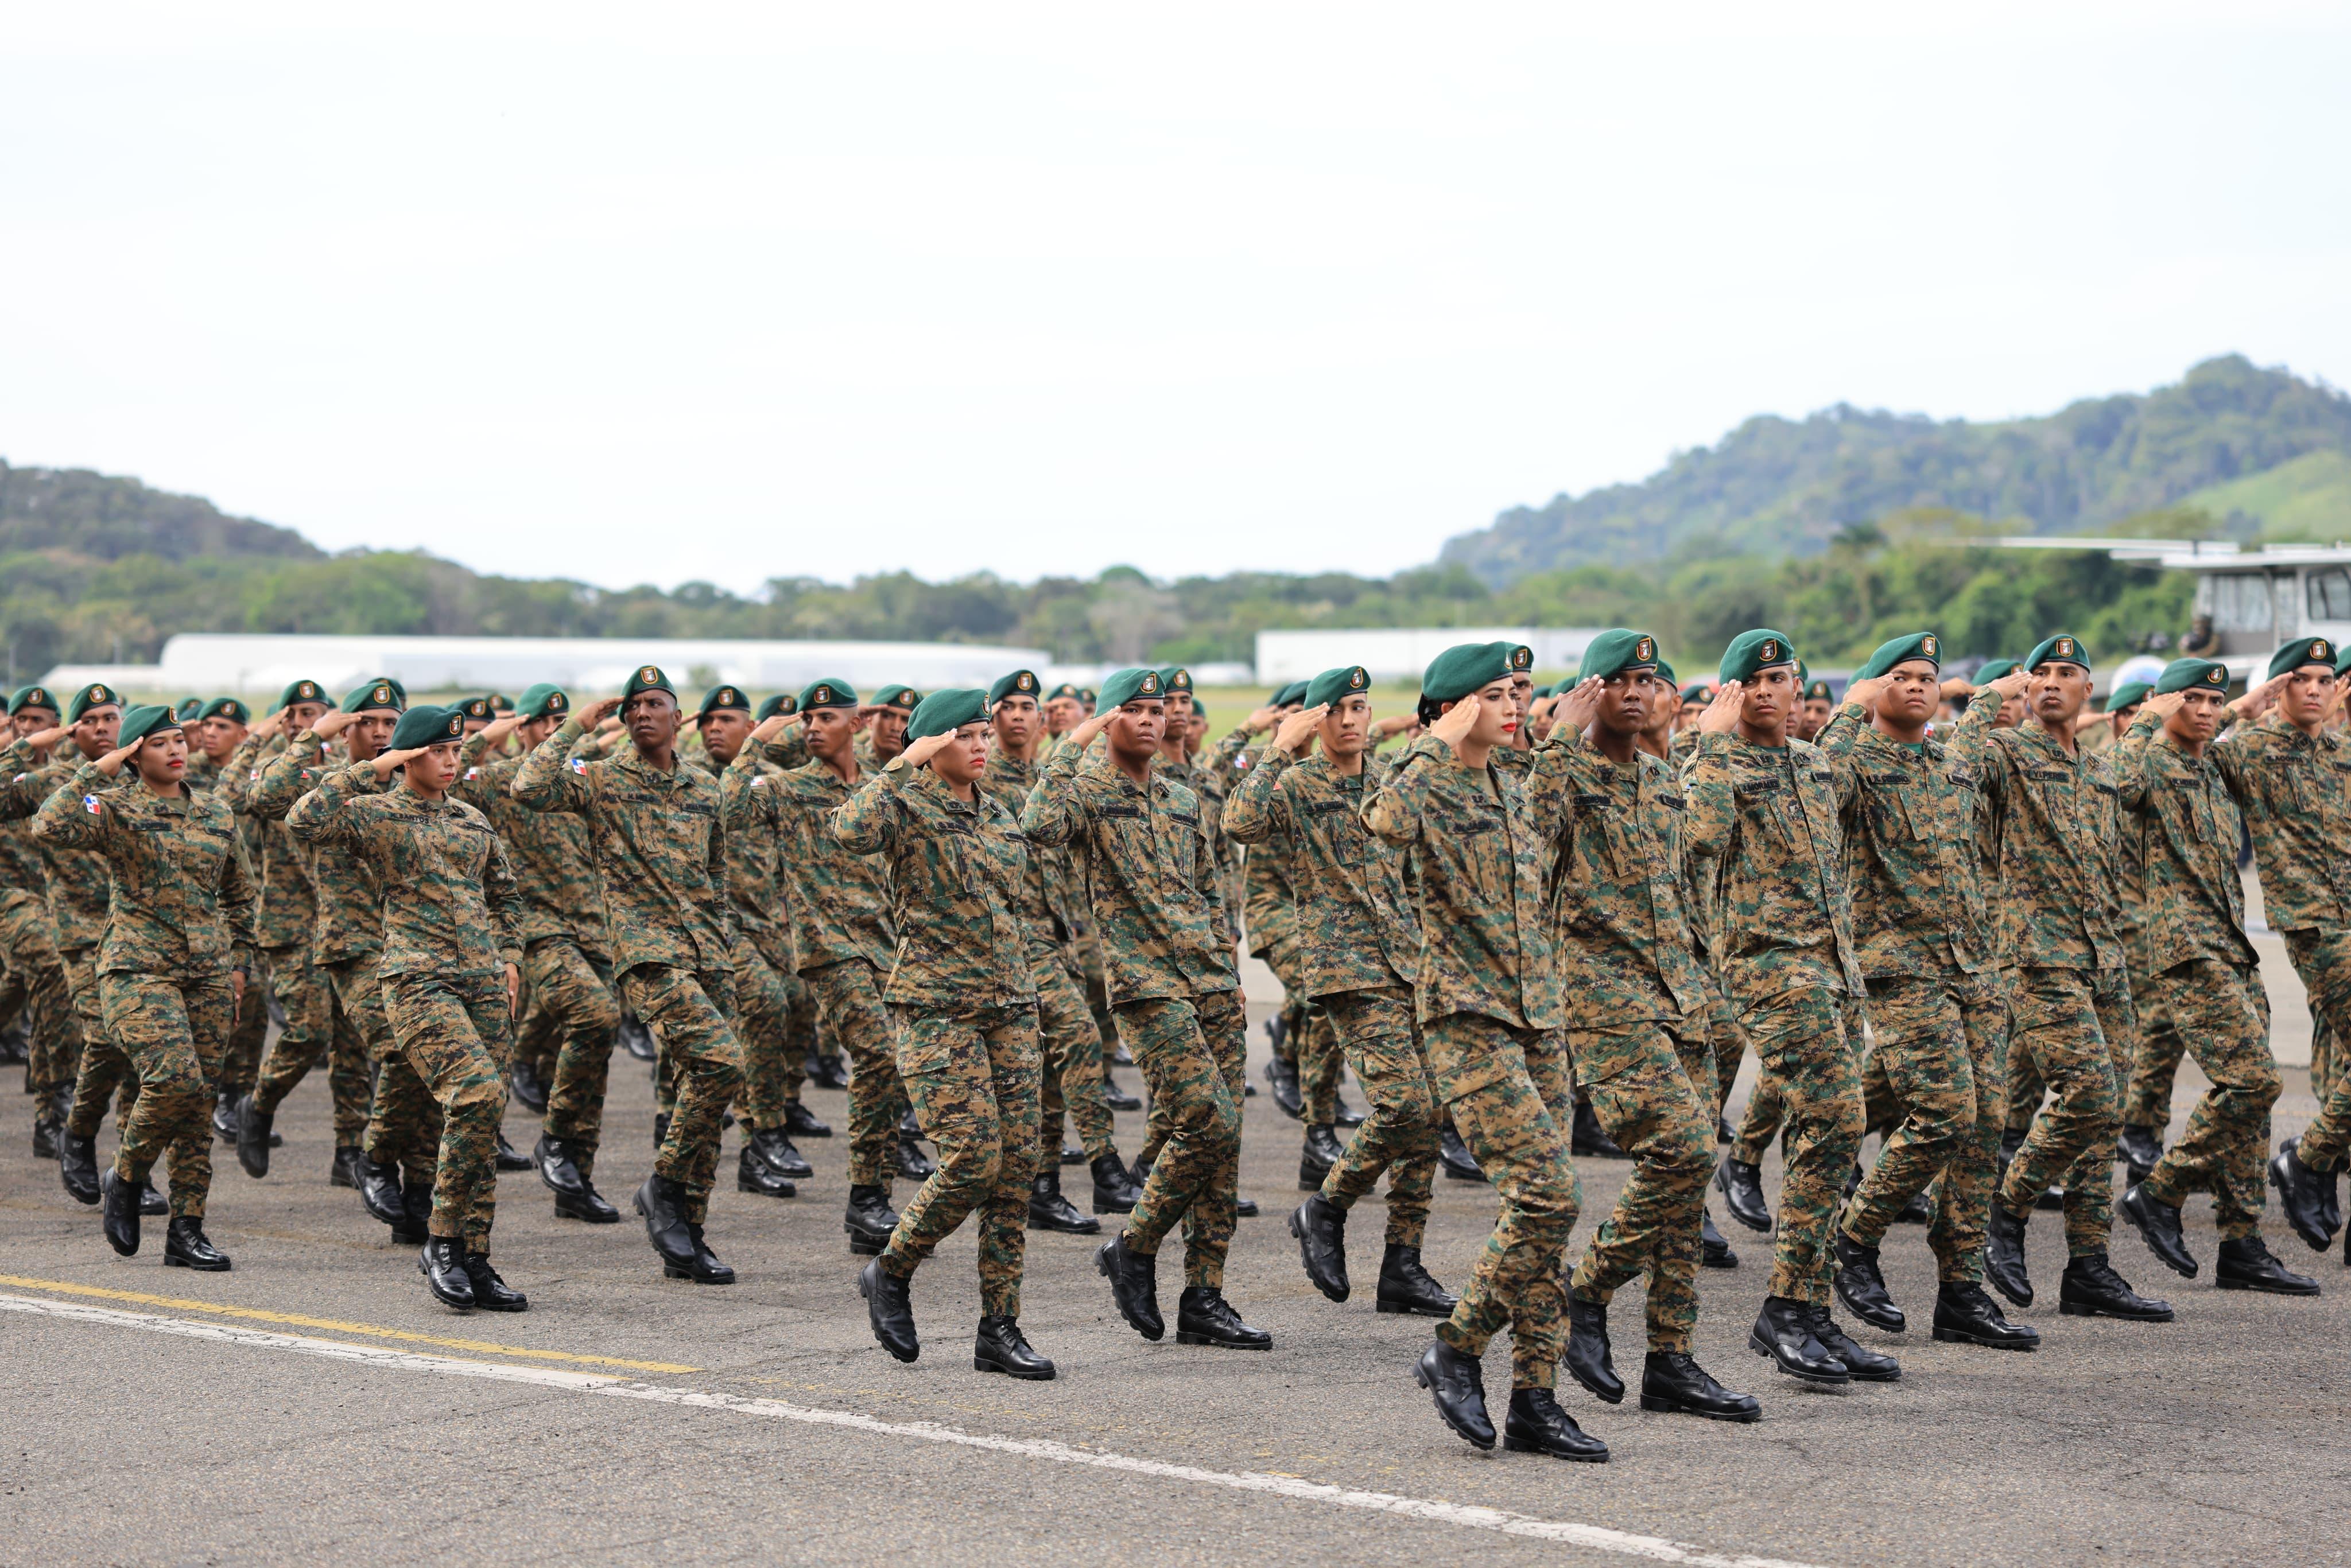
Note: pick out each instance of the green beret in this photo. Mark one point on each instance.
(1666, 673)
(2192, 675)
(2062, 649)
(2130, 693)
(98, 694)
(501, 703)
(31, 697)
(140, 724)
(1698, 693)
(1347, 681)
(2343, 663)
(724, 698)
(944, 713)
(781, 702)
(1900, 651)
(226, 707)
(1752, 653)
(648, 678)
(1087, 695)
(428, 726)
(1464, 668)
(545, 700)
(477, 708)
(827, 693)
(1065, 690)
(1991, 670)
(1818, 692)
(187, 709)
(905, 698)
(1124, 686)
(2303, 650)
(300, 691)
(1199, 710)
(1018, 683)
(1283, 697)
(1614, 653)
(380, 696)
(1176, 678)
(1518, 656)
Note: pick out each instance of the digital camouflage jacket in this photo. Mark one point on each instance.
(2058, 824)
(1910, 852)
(840, 900)
(2183, 826)
(450, 905)
(73, 880)
(2295, 793)
(958, 871)
(181, 901)
(1355, 923)
(347, 905)
(1768, 817)
(554, 862)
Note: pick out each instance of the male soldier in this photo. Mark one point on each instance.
(178, 949)
(1936, 1002)
(1070, 1044)
(284, 926)
(1635, 1030)
(218, 729)
(1359, 948)
(1062, 712)
(2070, 1001)
(566, 958)
(1818, 707)
(885, 719)
(1486, 994)
(815, 1064)
(2146, 1095)
(964, 1008)
(28, 947)
(1142, 854)
(839, 901)
(661, 853)
(2207, 974)
(451, 974)
(1766, 808)
(2309, 891)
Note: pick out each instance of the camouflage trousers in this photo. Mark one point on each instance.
(1381, 1035)
(2323, 959)
(1070, 1072)
(105, 1069)
(1522, 1145)
(174, 1031)
(849, 1001)
(306, 994)
(28, 944)
(692, 1011)
(2155, 1060)
(2224, 1014)
(1193, 1051)
(1942, 1052)
(2077, 1028)
(571, 1010)
(1650, 1085)
(1311, 1039)
(1808, 1043)
(973, 1077)
(772, 1047)
(453, 1034)
(1727, 1041)
(241, 1062)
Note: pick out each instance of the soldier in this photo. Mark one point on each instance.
(1766, 810)
(964, 1008)
(1936, 1001)
(885, 720)
(28, 945)
(2207, 977)
(660, 845)
(451, 973)
(1635, 1031)
(1142, 854)
(1819, 707)
(219, 728)
(839, 903)
(178, 949)
(2070, 1000)
(1061, 712)
(1486, 992)
(1069, 1043)
(1360, 945)
(567, 967)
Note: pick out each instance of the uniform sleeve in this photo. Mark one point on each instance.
(1713, 803)
(1253, 813)
(240, 905)
(546, 780)
(504, 896)
(722, 907)
(236, 775)
(1394, 814)
(867, 822)
(2132, 765)
(21, 790)
(738, 791)
(65, 821)
(2235, 754)
(1054, 811)
(281, 783)
(1844, 730)
(324, 815)
(1553, 779)
(1970, 743)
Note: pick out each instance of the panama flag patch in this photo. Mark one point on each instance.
(89, 804)
(579, 765)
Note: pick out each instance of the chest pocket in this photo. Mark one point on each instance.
(1763, 806)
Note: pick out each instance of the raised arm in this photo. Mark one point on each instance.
(73, 817)
(281, 782)
(323, 815)
(868, 823)
(547, 781)
(2132, 765)
(1394, 814)
(1054, 813)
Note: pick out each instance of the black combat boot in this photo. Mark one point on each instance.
(349, 1164)
(118, 1212)
(1203, 1316)
(559, 1167)
(663, 1203)
(151, 1202)
(829, 1071)
(1115, 1192)
(46, 1126)
(1861, 1287)
(491, 1294)
(1714, 1248)
(185, 1246)
(802, 1123)
(2011, 1139)
(442, 1264)
(1673, 1384)
(2004, 1256)
(1965, 1313)
(416, 1209)
(2091, 1289)
(773, 1146)
(1049, 1210)
(638, 1041)
(705, 1268)
(2302, 1196)
(1133, 1285)
(1244, 1208)
(2157, 1224)
(868, 1219)
(1118, 1099)
(1321, 1227)
(1919, 1211)
(1454, 1155)
(660, 1129)
(510, 1159)
(1741, 1186)
(1587, 1140)
(1784, 1335)
(1343, 1115)
(77, 1166)
(1071, 1155)
(999, 1346)
(224, 1117)
(2246, 1264)
(1456, 1382)
(1536, 1425)
(1406, 1287)
(755, 1175)
(2140, 1148)
(529, 1089)
(1861, 1364)
(1316, 1159)
(379, 1192)
(913, 1163)
(1282, 1078)
(253, 1132)
(1586, 1356)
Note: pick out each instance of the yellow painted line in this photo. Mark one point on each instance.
(296, 1319)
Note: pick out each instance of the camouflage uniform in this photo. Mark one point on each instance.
(241, 1061)
(1269, 913)
(2070, 1001)
(1769, 820)
(773, 1007)
(178, 920)
(1487, 996)
(1070, 1042)
(965, 1010)
(28, 951)
(1937, 1004)
(660, 847)
(839, 903)
(282, 926)
(1143, 859)
(2207, 974)
(1360, 950)
(450, 909)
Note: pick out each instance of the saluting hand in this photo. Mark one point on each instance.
(1299, 727)
(2163, 704)
(1867, 691)
(495, 733)
(1721, 714)
(2008, 685)
(775, 725)
(333, 723)
(593, 715)
(1580, 704)
(1083, 735)
(918, 752)
(385, 762)
(111, 763)
(1259, 722)
(2256, 702)
(267, 726)
(1453, 725)
(46, 739)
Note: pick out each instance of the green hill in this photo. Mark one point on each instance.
(2306, 497)
(1778, 486)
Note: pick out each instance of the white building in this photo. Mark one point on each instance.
(1404, 653)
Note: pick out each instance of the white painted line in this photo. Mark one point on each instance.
(1651, 1548)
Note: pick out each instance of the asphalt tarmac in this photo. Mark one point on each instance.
(315, 1404)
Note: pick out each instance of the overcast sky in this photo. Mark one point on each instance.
(839, 289)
